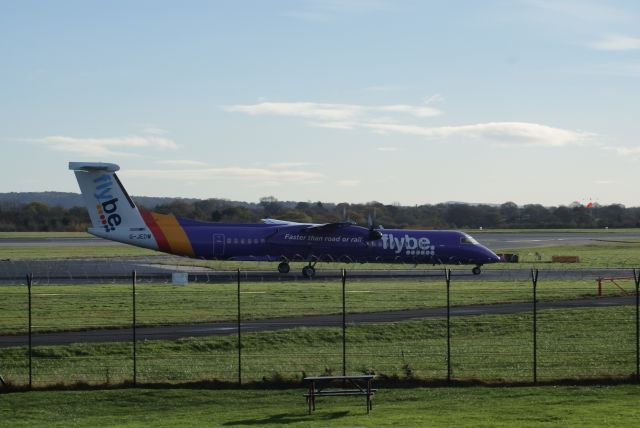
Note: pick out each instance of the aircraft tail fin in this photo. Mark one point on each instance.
(112, 211)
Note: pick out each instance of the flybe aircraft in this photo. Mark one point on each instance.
(115, 216)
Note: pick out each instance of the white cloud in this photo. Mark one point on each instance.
(348, 183)
(337, 113)
(387, 149)
(289, 164)
(384, 88)
(350, 116)
(103, 147)
(623, 151)
(435, 98)
(181, 162)
(233, 173)
(154, 130)
(504, 133)
(617, 42)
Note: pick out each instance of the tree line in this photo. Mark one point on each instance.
(38, 216)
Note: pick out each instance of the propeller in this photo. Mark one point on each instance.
(374, 234)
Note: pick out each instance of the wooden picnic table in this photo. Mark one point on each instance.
(324, 386)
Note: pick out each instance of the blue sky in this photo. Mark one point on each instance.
(414, 102)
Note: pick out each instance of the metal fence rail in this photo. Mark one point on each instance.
(539, 328)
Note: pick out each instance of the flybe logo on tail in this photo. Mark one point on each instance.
(107, 207)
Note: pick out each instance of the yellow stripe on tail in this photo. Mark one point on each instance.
(175, 234)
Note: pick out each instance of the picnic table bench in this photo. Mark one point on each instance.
(325, 386)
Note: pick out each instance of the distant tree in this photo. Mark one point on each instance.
(270, 206)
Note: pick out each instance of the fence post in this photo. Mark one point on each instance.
(344, 322)
(534, 282)
(636, 279)
(239, 333)
(133, 326)
(447, 277)
(29, 283)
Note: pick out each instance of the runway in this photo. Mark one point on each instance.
(227, 328)
(159, 268)
(493, 240)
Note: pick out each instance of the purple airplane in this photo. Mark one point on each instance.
(114, 216)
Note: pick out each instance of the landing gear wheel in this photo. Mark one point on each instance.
(476, 270)
(284, 267)
(308, 271)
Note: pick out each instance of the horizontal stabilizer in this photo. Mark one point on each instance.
(93, 166)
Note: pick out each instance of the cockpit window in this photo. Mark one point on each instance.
(466, 239)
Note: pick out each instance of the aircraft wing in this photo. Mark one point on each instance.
(276, 222)
(329, 226)
(310, 226)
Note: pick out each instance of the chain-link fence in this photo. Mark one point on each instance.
(534, 328)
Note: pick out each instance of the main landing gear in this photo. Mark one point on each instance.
(284, 267)
(308, 271)
(476, 270)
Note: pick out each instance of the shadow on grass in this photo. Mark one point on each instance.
(285, 418)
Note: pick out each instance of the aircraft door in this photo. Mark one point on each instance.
(218, 245)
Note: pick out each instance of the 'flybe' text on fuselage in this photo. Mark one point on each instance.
(409, 244)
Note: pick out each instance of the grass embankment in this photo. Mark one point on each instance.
(572, 344)
(80, 307)
(531, 406)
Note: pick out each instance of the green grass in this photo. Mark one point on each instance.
(45, 235)
(490, 407)
(602, 255)
(601, 230)
(73, 252)
(78, 307)
(572, 344)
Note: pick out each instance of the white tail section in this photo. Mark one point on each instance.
(113, 213)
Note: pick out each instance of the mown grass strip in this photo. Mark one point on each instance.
(44, 235)
(477, 406)
(573, 344)
(82, 307)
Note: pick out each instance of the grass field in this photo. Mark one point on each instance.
(572, 344)
(478, 407)
(79, 307)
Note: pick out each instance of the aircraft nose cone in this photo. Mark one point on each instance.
(493, 258)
